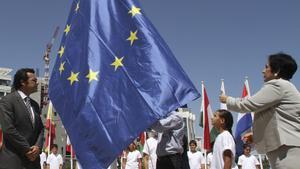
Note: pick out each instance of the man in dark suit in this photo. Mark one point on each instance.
(22, 126)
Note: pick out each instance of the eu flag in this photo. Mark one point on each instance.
(114, 76)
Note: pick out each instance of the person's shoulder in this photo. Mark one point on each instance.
(9, 96)
(278, 82)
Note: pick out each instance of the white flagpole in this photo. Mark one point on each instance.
(71, 157)
(50, 127)
(205, 158)
(222, 105)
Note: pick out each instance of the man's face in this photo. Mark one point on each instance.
(31, 84)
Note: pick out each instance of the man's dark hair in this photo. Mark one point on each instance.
(21, 76)
(283, 64)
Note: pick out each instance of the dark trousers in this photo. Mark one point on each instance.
(173, 161)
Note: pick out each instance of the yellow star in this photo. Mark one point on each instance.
(117, 63)
(77, 7)
(67, 29)
(73, 77)
(61, 51)
(62, 67)
(132, 37)
(92, 76)
(134, 10)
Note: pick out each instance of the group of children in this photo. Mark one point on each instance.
(53, 161)
(223, 154)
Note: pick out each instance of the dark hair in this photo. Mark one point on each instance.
(54, 145)
(20, 77)
(193, 142)
(246, 146)
(283, 64)
(227, 116)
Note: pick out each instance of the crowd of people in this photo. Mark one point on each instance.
(276, 129)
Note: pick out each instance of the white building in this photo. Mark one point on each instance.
(5, 81)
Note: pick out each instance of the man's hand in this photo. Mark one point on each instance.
(33, 153)
(248, 138)
(223, 98)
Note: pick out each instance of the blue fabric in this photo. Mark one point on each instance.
(243, 126)
(103, 115)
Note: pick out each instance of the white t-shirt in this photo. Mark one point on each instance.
(195, 159)
(209, 158)
(54, 161)
(132, 160)
(43, 159)
(249, 162)
(224, 141)
(150, 149)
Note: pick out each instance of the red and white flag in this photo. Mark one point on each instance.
(206, 116)
(142, 138)
(50, 127)
(69, 148)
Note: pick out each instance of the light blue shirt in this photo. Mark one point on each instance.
(170, 134)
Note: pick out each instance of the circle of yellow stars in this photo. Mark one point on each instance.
(118, 62)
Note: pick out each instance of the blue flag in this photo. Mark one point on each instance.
(114, 76)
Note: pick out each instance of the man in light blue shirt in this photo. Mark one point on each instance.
(170, 136)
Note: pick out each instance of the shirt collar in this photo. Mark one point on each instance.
(23, 95)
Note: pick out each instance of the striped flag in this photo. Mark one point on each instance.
(223, 105)
(50, 126)
(244, 122)
(206, 120)
(69, 148)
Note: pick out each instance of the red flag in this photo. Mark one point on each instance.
(69, 148)
(142, 138)
(50, 127)
(207, 115)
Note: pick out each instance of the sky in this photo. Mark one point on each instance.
(212, 39)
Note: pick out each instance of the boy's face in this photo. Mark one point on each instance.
(54, 150)
(193, 147)
(247, 151)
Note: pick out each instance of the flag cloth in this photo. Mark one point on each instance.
(223, 105)
(244, 122)
(209, 132)
(114, 76)
(50, 127)
(69, 148)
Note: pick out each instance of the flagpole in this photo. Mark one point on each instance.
(71, 158)
(205, 159)
(50, 127)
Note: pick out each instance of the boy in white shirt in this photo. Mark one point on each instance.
(54, 161)
(43, 159)
(196, 159)
(149, 151)
(247, 161)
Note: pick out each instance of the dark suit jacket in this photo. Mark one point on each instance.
(18, 132)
